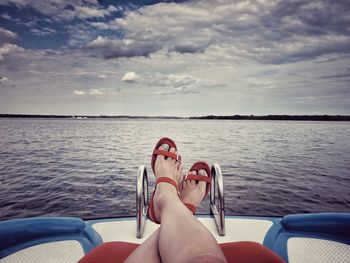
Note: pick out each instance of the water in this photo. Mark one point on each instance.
(87, 168)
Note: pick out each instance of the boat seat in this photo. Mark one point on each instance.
(322, 237)
(46, 240)
(235, 252)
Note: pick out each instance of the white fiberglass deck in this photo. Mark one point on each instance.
(296, 238)
(236, 230)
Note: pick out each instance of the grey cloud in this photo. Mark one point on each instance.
(117, 48)
(5, 16)
(7, 36)
(43, 31)
(7, 46)
(171, 84)
(189, 48)
(272, 32)
(65, 9)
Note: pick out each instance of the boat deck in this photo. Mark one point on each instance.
(296, 238)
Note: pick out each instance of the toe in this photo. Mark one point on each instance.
(202, 172)
(178, 164)
(164, 147)
(193, 182)
(172, 150)
(202, 184)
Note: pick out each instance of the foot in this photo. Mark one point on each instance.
(165, 192)
(191, 191)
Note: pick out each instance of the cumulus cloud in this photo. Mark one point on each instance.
(92, 92)
(7, 46)
(6, 16)
(65, 9)
(170, 84)
(7, 36)
(273, 32)
(83, 12)
(109, 48)
(96, 92)
(130, 77)
(42, 31)
(79, 92)
(3, 79)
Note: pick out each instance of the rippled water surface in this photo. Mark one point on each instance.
(87, 168)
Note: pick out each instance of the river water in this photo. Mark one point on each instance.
(87, 168)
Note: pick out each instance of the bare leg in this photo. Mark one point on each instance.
(147, 252)
(182, 237)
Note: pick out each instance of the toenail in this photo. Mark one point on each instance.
(202, 172)
(165, 147)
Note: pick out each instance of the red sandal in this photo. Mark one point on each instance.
(150, 212)
(196, 167)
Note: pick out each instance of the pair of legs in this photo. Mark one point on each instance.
(181, 237)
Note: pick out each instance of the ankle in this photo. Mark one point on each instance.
(164, 195)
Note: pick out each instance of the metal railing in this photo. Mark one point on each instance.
(218, 210)
(142, 200)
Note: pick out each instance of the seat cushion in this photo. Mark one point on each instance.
(247, 252)
(110, 252)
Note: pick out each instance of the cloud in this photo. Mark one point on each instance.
(8, 49)
(130, 77)
(271, 32)
(79, 92)
(7, 36)
(43, 31)
(65, 10)
(83, 12)
(92, 92)
(109, 48)
(6, 16)
(172, 84)
(96, 92)
(7, 46)
(3, 79)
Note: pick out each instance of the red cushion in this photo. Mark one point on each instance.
(249, 252)
(235, 252)
(111, 252)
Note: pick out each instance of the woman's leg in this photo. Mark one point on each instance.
(147, 252)
(182, 237)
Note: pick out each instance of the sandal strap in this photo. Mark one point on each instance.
(198, 178)
(150, 211)
(167, 180)
(191, 207)
(168, 154)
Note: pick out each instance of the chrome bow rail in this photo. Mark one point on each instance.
(142, 200)
(217, 186)
(218, 211)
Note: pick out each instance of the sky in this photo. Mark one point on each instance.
(175, 58)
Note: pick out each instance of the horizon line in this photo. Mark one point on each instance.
(317, 117)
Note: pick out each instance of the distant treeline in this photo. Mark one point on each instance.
(278, 117)
(209, 117)
(84, 116)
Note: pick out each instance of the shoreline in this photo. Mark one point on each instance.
(208, 117)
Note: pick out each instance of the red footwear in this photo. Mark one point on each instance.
(157, 151)
(196, 167)
(150, 212)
